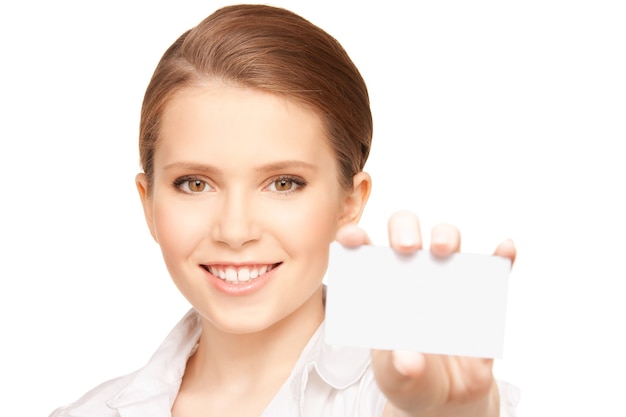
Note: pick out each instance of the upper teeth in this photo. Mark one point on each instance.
(239, 274)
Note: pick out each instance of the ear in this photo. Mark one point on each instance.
(355, 201)
(141, 181)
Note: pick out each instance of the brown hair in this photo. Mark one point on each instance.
(274, 50)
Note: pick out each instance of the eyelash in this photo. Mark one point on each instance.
(180, 182)
(297, 181)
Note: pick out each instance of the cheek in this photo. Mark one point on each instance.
(304, 228)
(308, 227)
(177, 230)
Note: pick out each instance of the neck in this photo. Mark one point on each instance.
(247, 360)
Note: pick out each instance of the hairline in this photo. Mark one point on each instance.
(197, 80)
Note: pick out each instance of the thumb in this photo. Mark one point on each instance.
(411, 381)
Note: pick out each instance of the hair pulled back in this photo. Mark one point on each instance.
(276, 51)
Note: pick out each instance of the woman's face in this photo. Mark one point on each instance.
(245, 202)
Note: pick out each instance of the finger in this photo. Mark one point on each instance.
(405, 235)
(507, 249)
(417, 382)
(410, 380)
(352, 236)
(445, 239)
(408, 363)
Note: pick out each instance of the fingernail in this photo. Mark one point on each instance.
(406, 228)
(407, 363)
(441, 237)
(407, 237)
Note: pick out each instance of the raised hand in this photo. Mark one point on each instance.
(428, 385)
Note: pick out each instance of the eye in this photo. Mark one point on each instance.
(286, 184)
(196, 186)
(283, 184)
(192, 185)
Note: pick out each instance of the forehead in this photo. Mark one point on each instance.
(217, 120)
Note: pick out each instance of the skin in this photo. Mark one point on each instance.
(234, 146)
(226, 192)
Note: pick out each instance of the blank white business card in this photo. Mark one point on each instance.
(379, 299)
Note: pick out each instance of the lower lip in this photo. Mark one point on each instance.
(241, 288)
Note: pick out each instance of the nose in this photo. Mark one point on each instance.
(236, 223)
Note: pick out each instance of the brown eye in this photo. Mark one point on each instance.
(284, 184)
(190, 184)
(196, 186)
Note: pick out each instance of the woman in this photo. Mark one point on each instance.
(255, 129)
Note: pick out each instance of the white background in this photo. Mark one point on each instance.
(506, 119)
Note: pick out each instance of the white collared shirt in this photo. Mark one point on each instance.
(326, 382)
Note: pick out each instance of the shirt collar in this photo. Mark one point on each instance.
(338, 366)
(162, 375)
(156, 385)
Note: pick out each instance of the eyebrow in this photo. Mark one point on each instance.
(192, 166)
(282, 165)
(274, 166)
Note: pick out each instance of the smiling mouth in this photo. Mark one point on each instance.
(235, 274)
